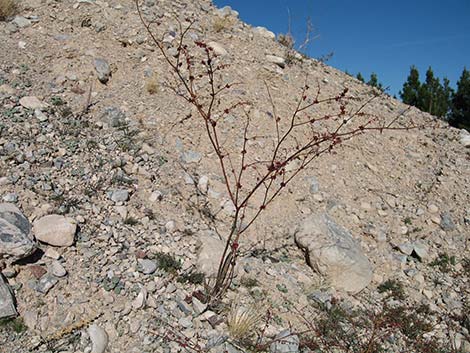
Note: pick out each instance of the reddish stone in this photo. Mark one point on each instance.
(37, 271)
(140, 254)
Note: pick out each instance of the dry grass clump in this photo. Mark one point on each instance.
(7, 9)
(286, 40)
(222, 23)
(242, 321)
(151, 85)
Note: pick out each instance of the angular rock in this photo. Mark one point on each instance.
(420, 250)
(55, 230)
(332, 251)
(140, 300)
(281, 62)
(120, 195)
(99, 338)
(21, 22)
(7, 300)
(146, 266)
(191, 157)
(203, 184)
(406, 248)
(16, 239)
(37, 271)
(285, 342)
(32, 102)
(447, 224)
(465, 138)
(198, 306)
(209, 254)
(103, 70)
(46, 283)
(10, 197)
(314, 185)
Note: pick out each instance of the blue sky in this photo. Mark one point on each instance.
(385, 37)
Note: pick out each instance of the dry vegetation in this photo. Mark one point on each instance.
(7, 9)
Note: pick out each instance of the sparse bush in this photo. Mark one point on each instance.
(167, 263)
(444, 262)
(286, 40)
(192, 277)
(7, 9)
(14, 325)
(222, 23)
(394, 289)
(131, 221)
(255, 177)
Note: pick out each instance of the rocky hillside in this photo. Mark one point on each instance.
(113, 206)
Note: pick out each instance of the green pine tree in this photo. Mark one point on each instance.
(374, 81)
(460, 115)
(411, 88)
(360, 77)
(444, 101)
(431, 91)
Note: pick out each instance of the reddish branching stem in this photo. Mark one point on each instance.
(297, 140)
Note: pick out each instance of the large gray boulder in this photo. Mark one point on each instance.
(16, 240)
(7, 300)
(331, 251)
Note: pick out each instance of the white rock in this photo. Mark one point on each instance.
(209, 254)
(52, 253)
(170, 226)
(218, 48)
(155, 196)
(139, 301)
(203, 184)
(32, 102)
(465, 138)
(99, 339)
(333, 253)
(122, 211)
(276, 60)
(264, 32)
(55, 230)
(57, 269)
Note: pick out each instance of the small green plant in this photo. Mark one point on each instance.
(466, 267)
(13, 325)
(444, 262)
(167, 263)
(192, 277)
(7, 9)
(249, 282)
(57, 101)
(407, 221)
(394, 288)
(131, 221)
